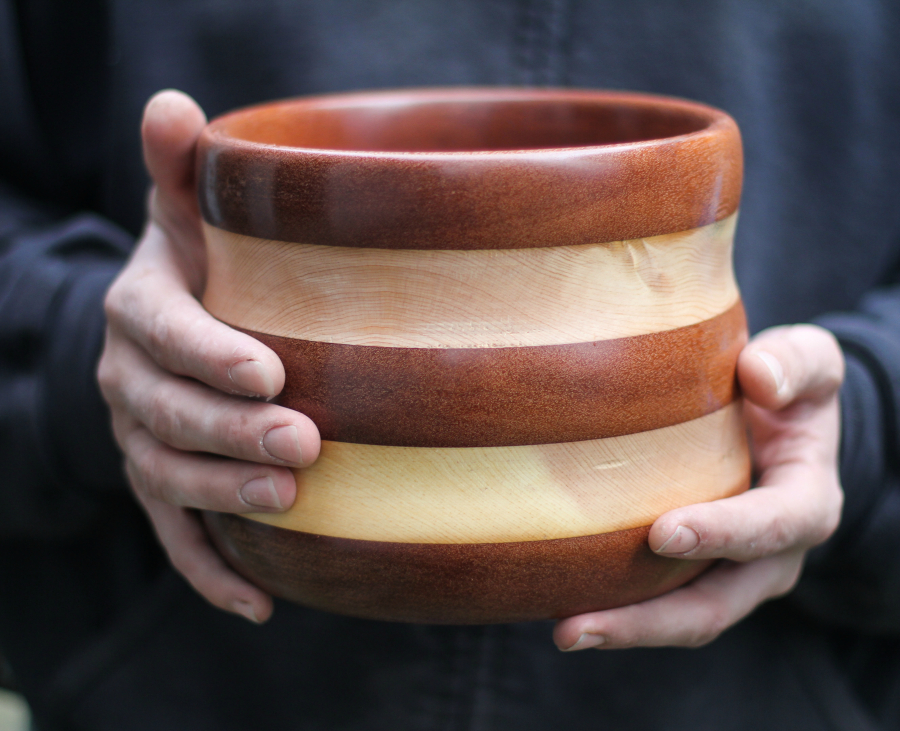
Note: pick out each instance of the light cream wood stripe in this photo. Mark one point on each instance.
(468, 299)
(502, 494)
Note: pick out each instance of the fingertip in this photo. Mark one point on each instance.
(681, 530)
(202, 347)
(783, 364)
(257, 610)
(251, 368)
(763, 378)
(273, 492)
(253, 378)
(170, 113)
(775, 371)
(678, 542)
(310, 440)
(170, 127)
(587, 641)
(193, 556)
(286, 486)
(567, 633)
(663, 527)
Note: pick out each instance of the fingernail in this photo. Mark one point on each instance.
(586, 641)
(283, 442)
(251, 377)
(774, 366)
(261, 493)
(245, 609)
(684, 539)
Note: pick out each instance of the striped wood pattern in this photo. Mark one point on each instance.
(515, 364)
(475, 583)
(469, 168)
(471, 397)
(471, 299)
(530, 493)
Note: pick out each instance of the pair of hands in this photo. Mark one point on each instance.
(188, 401)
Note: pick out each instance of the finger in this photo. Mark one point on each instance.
(190, 553)
(687, 617)
(170, 128)
(190, 416)
(195, 480)
(153, 309)
(790, 363)
(799, 507)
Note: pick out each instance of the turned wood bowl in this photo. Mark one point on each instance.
(513, 317)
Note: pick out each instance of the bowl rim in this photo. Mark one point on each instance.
(715, 119)
(483, 199)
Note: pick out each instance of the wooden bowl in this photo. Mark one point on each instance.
(513, 317)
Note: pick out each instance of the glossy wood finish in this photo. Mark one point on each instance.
(511, 314)
(469, 168)
(501, 494)
(469, 397)
(450, 583)
(471, 299)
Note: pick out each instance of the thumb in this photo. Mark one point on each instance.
(172, 123)
(791, 363)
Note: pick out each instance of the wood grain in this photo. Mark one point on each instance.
(470, 299)
(501, 494)
(450, 584)
(469, 168)
(514, 361)
(474, 397)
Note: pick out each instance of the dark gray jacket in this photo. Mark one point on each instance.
(99, 631)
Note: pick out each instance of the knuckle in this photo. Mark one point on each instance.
(779, 533)
(824, 522)
(159, 334)
(113, 302)
(720, 523)
(112, 379)
(241, 428)
(107, 376)
(150, 473)
(233, 428)
(161, 417)
(121, 429)
(135, 478)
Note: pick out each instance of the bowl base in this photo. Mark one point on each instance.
(482, 583)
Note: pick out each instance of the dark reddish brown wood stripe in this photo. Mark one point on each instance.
(600, 189)
(450, 583)
(488, 397)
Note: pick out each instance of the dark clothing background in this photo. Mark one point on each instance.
(103, 635)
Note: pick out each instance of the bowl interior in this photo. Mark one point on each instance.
(402, 123)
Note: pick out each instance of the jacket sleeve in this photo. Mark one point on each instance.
(853, 580)
(60, 463)
(56, 447)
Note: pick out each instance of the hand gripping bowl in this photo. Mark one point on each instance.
(513, 317)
